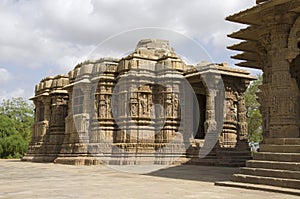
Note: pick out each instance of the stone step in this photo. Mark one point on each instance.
(195, 152)
(284, 157)
(282, 141)
(280, 182)
(279, 148)
(197, 156)
(240, 160)
(234, 153)
(195, 161)
(215, 162)
(231, 164)
(259, 187)
(235, 157)
(293, 166)
(202, 161)
(271, 173)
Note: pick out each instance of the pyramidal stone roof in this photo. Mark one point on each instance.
(150, 54)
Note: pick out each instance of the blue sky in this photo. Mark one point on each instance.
(43, 38)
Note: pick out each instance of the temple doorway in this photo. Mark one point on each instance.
(295, 73)
(200, 132)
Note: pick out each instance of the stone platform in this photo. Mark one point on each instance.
(36, 180)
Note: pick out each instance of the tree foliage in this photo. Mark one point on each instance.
(254, 118)
(16, 119)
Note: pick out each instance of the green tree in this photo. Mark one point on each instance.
(16, 119)
(254, 117)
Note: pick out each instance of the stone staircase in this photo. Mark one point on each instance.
(209, 160)
(277, 164)
(233, 157)
(228, 157)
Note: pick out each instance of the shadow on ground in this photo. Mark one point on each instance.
(196, 172)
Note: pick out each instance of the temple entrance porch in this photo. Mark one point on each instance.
(223, 105)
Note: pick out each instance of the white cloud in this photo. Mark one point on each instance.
(5, 76)
(51, 36)
(9, 86)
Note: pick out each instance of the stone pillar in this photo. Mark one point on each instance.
(36, 110)
(242, 120)
(44, 127)
(56, 130)
(210, 123)
(284, 95)
(242, 127)
(265, 89)
(214, 113)
(84, 128)
(228, 138)
(47, 108)
(87, 103)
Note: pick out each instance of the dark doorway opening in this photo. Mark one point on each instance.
(295, 70)
(200, 133)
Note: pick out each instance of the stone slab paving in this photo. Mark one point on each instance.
(35, 180)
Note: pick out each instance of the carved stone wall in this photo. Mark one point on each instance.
(131, 110)
(50, 111)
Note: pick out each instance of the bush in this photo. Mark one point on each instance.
(16, 119)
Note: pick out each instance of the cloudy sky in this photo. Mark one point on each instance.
(48, 37)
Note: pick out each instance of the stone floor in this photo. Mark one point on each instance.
(35, 180)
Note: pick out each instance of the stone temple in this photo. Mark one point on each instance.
(148, 107)
(272, 43)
